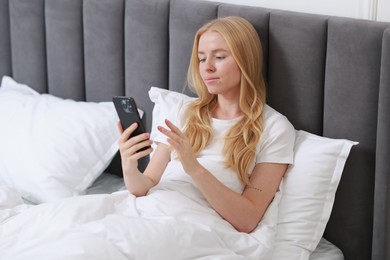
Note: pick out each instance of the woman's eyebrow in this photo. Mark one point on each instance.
(216, 50)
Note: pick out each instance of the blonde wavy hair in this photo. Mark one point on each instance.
(241, 140)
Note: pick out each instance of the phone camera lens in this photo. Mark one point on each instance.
(127, 106)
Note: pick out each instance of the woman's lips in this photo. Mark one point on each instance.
(210, 80)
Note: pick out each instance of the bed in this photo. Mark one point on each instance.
(61, 62)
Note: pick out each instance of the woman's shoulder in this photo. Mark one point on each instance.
(277, 139)
(274, 118)
(277, 125)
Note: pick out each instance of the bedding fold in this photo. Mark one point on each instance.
(172, 222)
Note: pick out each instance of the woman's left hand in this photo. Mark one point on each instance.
(181, 144)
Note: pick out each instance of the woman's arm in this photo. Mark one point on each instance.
(243, 211)
(137, 183)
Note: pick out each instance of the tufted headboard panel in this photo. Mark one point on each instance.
(328, 75)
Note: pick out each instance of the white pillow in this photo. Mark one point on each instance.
(51, 147)
(308, 188)
(165, 102)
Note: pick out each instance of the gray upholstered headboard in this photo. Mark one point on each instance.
(328, 75)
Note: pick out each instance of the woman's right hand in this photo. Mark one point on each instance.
(131, 148)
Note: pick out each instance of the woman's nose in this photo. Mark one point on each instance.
(208, 66)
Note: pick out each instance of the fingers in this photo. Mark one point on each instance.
(173, 128)
(125, 134)
(174, 131)
(171, 136)
(136, 152)
(131, 146)
(120, 127)
(176, 138)
(181, 144)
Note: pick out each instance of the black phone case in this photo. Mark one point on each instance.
(128, 113)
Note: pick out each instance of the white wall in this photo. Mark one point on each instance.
(383, 11)
(364, 9)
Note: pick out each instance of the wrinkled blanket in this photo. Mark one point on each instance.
(173, 222)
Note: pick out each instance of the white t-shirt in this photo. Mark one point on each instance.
(276, 146)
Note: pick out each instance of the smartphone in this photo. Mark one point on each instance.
(128, 114)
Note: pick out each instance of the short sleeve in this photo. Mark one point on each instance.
(278, 138)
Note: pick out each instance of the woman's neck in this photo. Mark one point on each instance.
(226, 109)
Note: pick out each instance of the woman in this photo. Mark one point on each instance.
(229, 124)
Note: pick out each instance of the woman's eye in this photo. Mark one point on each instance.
(201, 60)
(220, 57)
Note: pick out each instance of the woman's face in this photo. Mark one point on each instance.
(217, 66)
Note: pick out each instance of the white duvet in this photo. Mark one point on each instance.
(172, 222)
